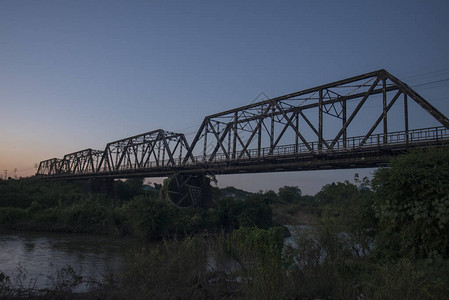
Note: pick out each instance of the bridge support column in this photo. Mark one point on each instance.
(188, 191)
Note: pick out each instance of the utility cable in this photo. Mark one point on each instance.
(432, 82)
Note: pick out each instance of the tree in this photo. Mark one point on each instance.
(128, 189)
(270, 196)
(289, 194)
(337, 193)
(256, 212)
(412, 204)
(346, 208)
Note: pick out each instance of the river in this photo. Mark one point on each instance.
(35, 260)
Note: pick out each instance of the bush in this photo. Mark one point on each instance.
(149, 217)
(170, 270)
(406, 279)
(259, 253)
(254, 211)
(12, 215)
(412, 204)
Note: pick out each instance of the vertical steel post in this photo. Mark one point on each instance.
(320, 120)
(206, 129)
(163, 153)
(272, 129)
(229, 143)
(259, 139)
(406, 118)
(384, 104)
(180, 151)
(344, 122)
(296, 135)
(159, 152)
(234, 144)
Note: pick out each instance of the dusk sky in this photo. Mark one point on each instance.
(79, 74)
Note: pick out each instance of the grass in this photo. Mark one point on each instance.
(251, 264)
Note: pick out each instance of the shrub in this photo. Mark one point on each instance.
(412, 204)
(12, 215)
(149, 217)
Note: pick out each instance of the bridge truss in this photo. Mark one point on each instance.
(356, 122)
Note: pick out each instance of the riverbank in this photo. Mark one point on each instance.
(131, 211)
(385, 239)
(246, 264)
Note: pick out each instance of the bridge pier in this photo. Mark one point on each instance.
(188, 191)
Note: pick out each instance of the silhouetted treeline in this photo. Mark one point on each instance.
(130, 209)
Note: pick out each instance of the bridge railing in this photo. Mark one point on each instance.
(433, 134)
(374, 141)
(152, 164)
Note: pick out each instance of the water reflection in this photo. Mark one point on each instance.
(39, 256)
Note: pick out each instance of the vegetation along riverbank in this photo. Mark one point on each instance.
(387, 238)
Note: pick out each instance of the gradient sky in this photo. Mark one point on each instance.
(79, 74)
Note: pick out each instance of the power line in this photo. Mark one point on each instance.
(432, 82)
(428, 74)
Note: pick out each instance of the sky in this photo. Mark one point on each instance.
(79, 74)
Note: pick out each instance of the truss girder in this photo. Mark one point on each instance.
(156, 148)
(50, 167)
(315, 123)
(81, 162)
(265, 125)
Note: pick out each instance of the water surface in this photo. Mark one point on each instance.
(36, 258)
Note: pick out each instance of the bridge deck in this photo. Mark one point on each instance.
(358, 153)
(313, 129)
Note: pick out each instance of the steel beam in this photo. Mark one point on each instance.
(269, 136)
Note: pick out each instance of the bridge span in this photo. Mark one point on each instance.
(352, 123)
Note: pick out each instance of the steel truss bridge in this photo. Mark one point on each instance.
(357, 122)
